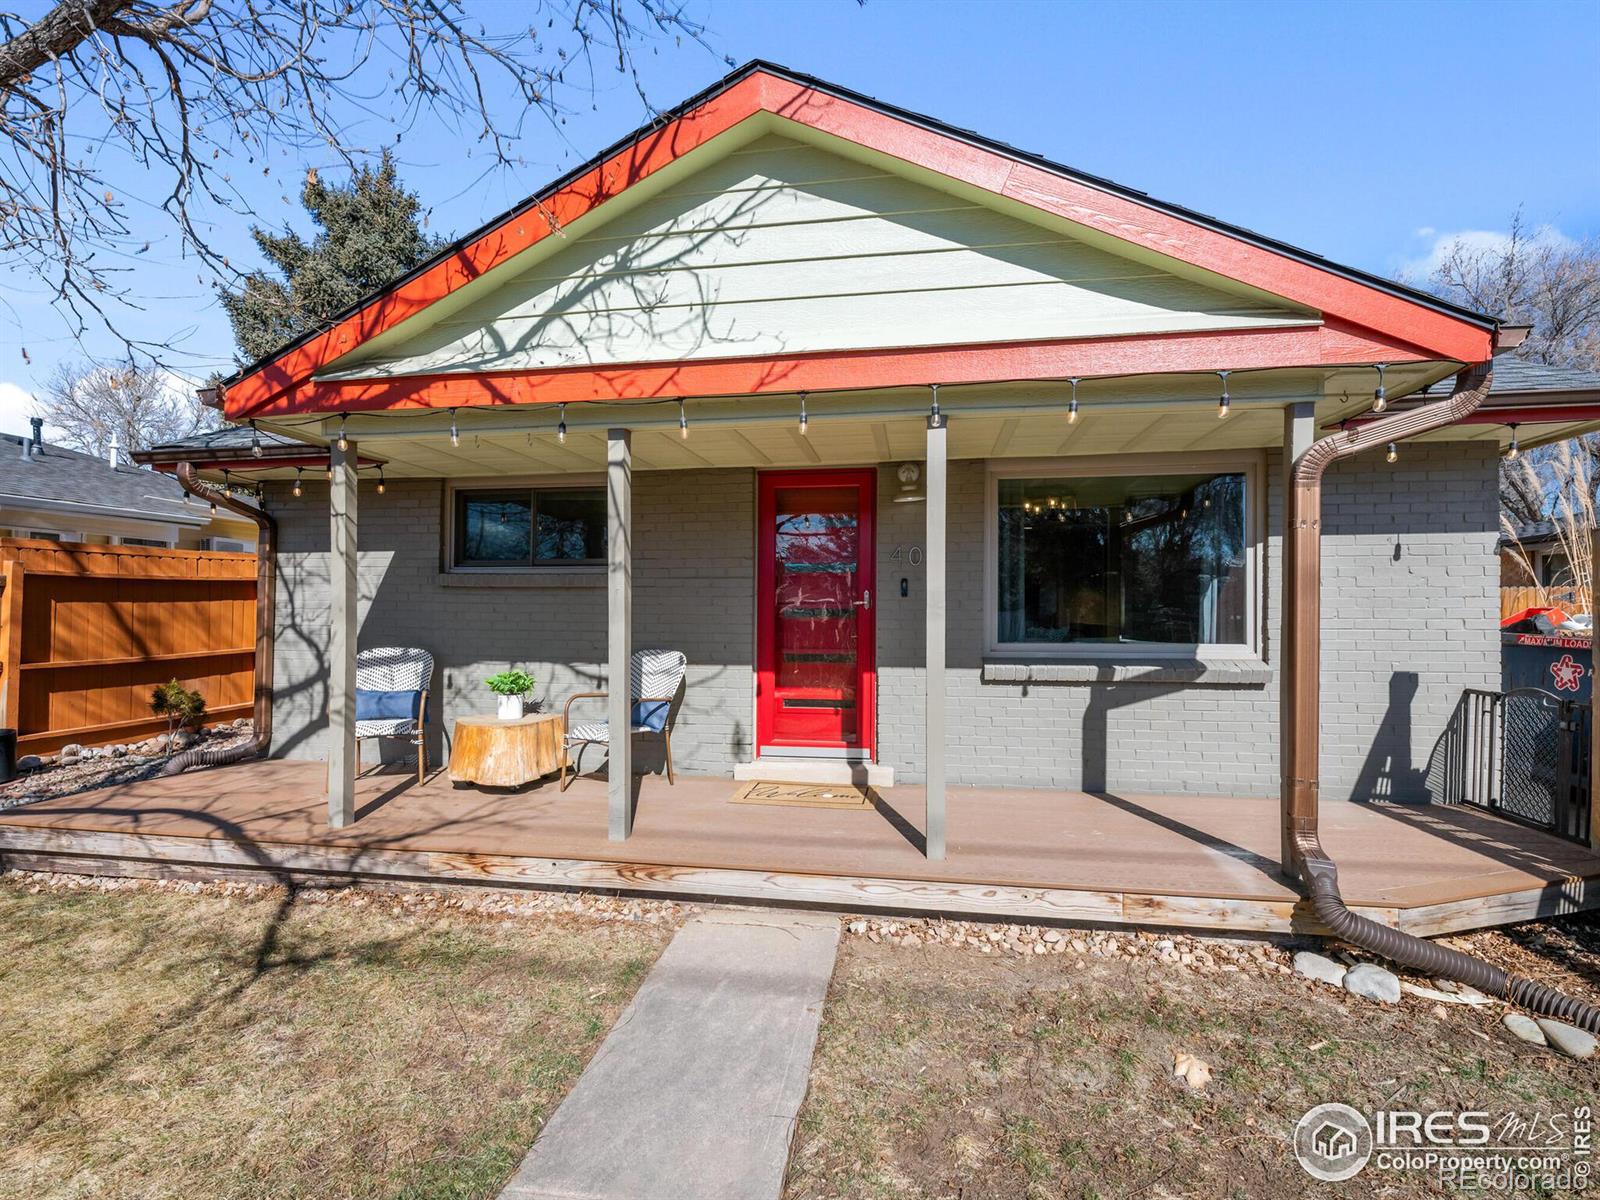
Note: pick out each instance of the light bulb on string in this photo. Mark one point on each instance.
(1513, 450)
(1380, 398)
(683, 420)
(561, 424)
(455, 434)
(1393, 454)
(1223, 401)
(802, 414)
(1072, 405)
(299, 490)
(344, 442)
(255, 441)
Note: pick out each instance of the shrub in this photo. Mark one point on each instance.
(181, 707)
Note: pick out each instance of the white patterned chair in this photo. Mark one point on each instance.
(654, 677)
(392, 698)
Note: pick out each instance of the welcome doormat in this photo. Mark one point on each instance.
(804, 795)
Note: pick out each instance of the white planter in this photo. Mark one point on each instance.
(510, 708)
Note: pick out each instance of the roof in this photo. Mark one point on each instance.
(760, 86)
(1514, 376)
(55, 476)
(227, 438)
(1534, 533)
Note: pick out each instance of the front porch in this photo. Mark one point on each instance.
(1201, 862)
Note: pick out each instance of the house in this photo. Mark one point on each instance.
(63, 495)
(950, 469)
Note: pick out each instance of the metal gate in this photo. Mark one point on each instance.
(1523, 754)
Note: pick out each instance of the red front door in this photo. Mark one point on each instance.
(815, 671)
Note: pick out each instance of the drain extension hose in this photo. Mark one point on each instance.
(1322, 880)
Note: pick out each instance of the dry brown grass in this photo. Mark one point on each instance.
(163, 1045)
(941, 1072)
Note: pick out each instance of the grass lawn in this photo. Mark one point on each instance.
(944, 1072)
(159, 1044)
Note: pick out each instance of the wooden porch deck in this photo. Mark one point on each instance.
(1200, 862)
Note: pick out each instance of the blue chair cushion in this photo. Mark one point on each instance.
(387, 706)
(651, 714)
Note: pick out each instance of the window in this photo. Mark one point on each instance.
(143, 541)
(513, 528)
(1156, 561)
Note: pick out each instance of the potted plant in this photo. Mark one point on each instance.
(512, 687)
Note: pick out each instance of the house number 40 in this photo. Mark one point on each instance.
(912, 554)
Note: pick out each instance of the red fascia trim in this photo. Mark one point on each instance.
(1440, 335)
(1152, 354)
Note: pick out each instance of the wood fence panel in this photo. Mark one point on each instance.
(87, 632)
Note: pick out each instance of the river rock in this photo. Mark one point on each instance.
(1572, 1042)
(1315, 966)
(1372, 982)
(1524, 1028)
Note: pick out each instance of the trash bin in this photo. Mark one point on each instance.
(8, 755)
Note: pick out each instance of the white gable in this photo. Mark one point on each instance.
(786, 248)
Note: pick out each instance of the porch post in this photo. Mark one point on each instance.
(1299, 431)
(935, 625)
(619, 626)
(343, 622)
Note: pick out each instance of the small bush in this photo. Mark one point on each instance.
(181, 706)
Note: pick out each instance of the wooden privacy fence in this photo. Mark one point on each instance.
(1516, 599)
(86, 633)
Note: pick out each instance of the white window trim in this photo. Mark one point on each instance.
(589, 479)
(1250, 463)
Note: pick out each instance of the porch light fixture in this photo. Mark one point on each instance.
(455, 434)
(344, 442)
(255, 440)
(1513, 449)
(298, 489)
(1223, 401)
(561, 423)
(1380, 398)
(1072, 405)
(380, 481)
(909, 474)
(1394, 454)
(802, 414)
(683, 420)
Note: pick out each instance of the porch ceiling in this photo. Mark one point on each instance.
(1137, 415)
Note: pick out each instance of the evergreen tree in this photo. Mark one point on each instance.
(369, 233)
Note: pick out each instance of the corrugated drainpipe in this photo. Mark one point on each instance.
(266, 615)
(1303, 855)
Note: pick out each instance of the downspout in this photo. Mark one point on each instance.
(1303, 855)
(266, 616)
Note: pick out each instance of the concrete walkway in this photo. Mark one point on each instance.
(693, 1095)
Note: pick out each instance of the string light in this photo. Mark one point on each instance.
(1513, 449)
(1394, 454)
(1380, 398)
(226, 491)
(561, 425)
(455, 434)
(344, 442)
(255, 441)
(1072, 405)
(380, 481)
(933, 413)
(683, 420)
(298, 489)
(802, 414)
(1223, 401)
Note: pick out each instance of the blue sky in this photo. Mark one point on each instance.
(1367, 132)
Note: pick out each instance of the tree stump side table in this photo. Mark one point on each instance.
(494, 753)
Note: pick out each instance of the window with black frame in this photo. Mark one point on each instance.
(515, 528)
(1120, 559)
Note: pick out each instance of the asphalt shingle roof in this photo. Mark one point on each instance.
(1514, 375)
(56, 473)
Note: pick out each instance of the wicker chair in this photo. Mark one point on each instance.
(392, 698)
(654, 677)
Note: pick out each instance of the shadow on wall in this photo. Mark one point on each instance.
(1386, 773)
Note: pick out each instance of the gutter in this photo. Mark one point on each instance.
(266, 618)
(1303, 855)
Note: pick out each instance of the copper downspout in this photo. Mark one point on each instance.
(266, 616)
(1303, 855)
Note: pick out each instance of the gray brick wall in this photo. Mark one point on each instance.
(1410, 601)
(693, 591)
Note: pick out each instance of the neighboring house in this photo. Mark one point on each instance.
(939, 461)
(1542, 561)
(65, 495)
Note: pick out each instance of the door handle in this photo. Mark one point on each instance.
(865, 601)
